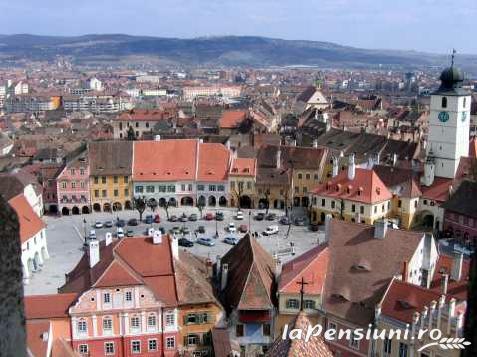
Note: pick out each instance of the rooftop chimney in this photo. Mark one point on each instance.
(456, 273)
(444, 283)
(380, 228)
(93, 252)
(279, 158)
(157, 237)
(174, 247)
(223, 276)
(109, 238)
(351, 167)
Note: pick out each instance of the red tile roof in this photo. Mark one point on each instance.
(438, 191)
(34, 334)
(146, 115)
(311, 266)
(231, 119)
(473, 147)
(30, 223)
(213, 162)
(117, 274)
(243, 167)
(457, 289)
(48, 306)
(366, 187)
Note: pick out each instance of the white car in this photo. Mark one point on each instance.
(120, 232)
(92, 234)
(239, 215)
(271, 230)
(231, 228)
(98, 224)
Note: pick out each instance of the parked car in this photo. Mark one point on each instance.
(209, 216)
(231, 240)
(162, 230)
(176, 230)
(92, 234)
(185, 230)
(183, 218)
(270, 230)
(285, 220)
(206, 241)
(184, 242)
(120, 223)
(201, 229)
(271, 217)
(231, 228)
(259, 216)
(98, 224)
(239, 215)
(243, 228)
(130, 233)
(314, 227)
(108, 224)
(157, 219)
(300, 221)
(219, 216)
(173, 218)
(120, 232)
(193, 217)
(149, 219)
(133, 222)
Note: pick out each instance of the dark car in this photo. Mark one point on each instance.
(300, 221)
(162, 230)
(201, 229)
(108, 224)
(259, 216)
(183, 218)
(314, 228)
(185, 230)
(193, 217)
(120, 223)
(133, 222)
(157, 219)
(176, 230)
(184, 242)
(173, 218)
(219, 216)
(271, 217)
(149, 219)
(285, 220)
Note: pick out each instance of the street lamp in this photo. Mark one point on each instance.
(249, 221)
(84, 229)
(216, 227)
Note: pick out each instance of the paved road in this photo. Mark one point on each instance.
(65, 237)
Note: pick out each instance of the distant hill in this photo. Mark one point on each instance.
(216, 51)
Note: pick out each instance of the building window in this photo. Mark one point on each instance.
(354, 342)
(104, 193)
(170, 342)
(82, 327)
(116, 193)
(309, 304)
(221, 188)
(82, 184)
(150, 189)
(126, 192)
(170, 319)
(96, 193)
(402, 349)
(96, 180)
(361, 209)
(232, 185)
(375, 209)
(266, 330)
(63, 184)
(139, 189)
(183, 187)
(73, 184)
(201, 187)
(128, 296)
(189, 187)
(103, 179)
(171, 188)
(387, 346)
(135, 323)
(126, 179)
(399, 203)
(152, 345)
(353, 208)
(239, 330)
(300, 176)
(193, 340)
(109, 348)
(151, 321)
(292, 304)
(249, 185)
(332, 326)
(212, 188)
(136, 346)
(444, 102)
(72, 171)
(323, 202)
(115, 179)
(315, 176)
(332, 204)
(308, 176)
(107, 298)
(107, 324)
(83, 349)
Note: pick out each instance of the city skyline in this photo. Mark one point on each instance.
(434, 26)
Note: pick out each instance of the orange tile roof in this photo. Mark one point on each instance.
(165, 160)
(30, 223)
(231, 119)
(366, 187)
(243, 167)
(34, 334)
(48, 306)
(213, 162)
(116, 274)
(473, 147)
(311, 266)
(457, 289)
(438, 191)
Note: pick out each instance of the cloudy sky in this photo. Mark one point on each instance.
(427, 25)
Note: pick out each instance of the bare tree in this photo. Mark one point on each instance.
(200, 206)
(166, 208)
(152, 204)
(140, 205)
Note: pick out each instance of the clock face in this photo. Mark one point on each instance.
(464, 116)
(443, 116)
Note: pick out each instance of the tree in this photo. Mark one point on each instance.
(140, 205)
(266, 195)
(152, 204)
(131, 134)
(238, 193)
(200, 206)
(166, 208)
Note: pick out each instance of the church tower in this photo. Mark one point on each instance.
(449, 120)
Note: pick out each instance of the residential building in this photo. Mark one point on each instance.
(73, 185)
(242, 179)
(246, 279)
(140, 121)
(32, 103)
(23, 183)
(32, 236)
(111, 175)
(190, 93)
(231, 122)
(355, 195)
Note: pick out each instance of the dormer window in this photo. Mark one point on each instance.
(444, 102)
(378, 190)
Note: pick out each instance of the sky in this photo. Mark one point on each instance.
(422, 25)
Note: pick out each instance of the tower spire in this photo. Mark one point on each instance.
(453, 57)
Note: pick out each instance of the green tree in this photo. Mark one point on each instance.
(140, 205)
(131, 134)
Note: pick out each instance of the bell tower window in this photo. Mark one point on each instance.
(465, 102)
(444, 102)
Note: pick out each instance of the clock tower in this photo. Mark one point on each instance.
(449, 120)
